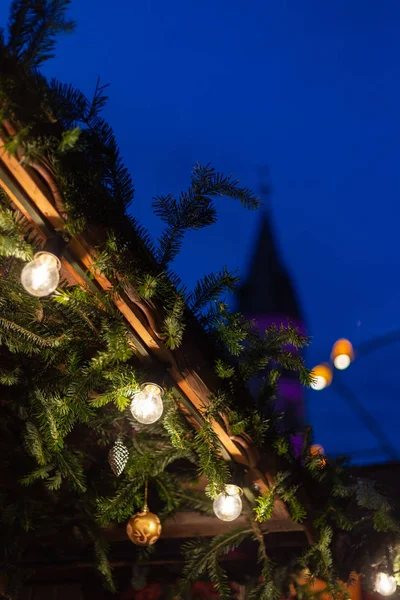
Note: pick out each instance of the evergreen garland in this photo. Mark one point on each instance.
(68, 366)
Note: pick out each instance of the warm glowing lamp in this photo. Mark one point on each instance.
(317, 450)
(342, 354)
(385, 584)
(147, 405)
(318, 453)
(41, 276)
(228, 505)
(321, 377)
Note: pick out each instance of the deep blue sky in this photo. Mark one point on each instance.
(311, 89)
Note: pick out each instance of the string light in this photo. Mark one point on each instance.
(41, 276)
(385, 584)
(147, 405)
(342, 354)
(318, 454)
(228, 505)
(321, 377)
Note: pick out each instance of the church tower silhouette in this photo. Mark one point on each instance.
(268, 298)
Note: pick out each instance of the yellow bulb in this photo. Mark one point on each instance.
(319, 383)
(342, 361)
(147, 405)
(385, 584)
(41, 276)
(321, 377)
(342, 354)
(228, 505)
(317, 450)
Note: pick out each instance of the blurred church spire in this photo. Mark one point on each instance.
(268, 297)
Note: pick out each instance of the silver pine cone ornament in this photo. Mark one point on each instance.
(117, 457)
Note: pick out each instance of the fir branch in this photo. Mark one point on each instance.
(167, 488)
(12, 243)
(266, 501)
(69, 464)
(204, 558)
(195, 208)
(101, 551)
(39, 473)
(174, 324)
(267, 588)
(196, 502)
(232, 330)
(34, 443)
(206, 181)
(211, 465)
(175, 426)
(69, 139)
(11, 377)
(122, 505)
(317, 559)
(33, 26)
(14, 330)
(224, 370)
(210, 288)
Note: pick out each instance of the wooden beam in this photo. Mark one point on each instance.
(194, 524)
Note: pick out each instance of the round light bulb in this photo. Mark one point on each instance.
(342, 361)
(319, 383)
(342, 354)
(385, 584)
(147, 405)
(317, 450)
(321, 377)
(41, 276)
(228, 505)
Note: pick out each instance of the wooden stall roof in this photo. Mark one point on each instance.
(192, 377)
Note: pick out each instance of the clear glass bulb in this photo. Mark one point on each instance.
(147, 405)
(342, 361)
(321, 376)
(41, 276)
(319, 383)
(228, 505)
(385, 584)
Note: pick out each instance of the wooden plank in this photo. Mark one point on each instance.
(194, 524)
(29, 185)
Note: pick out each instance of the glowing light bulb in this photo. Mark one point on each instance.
(319, 383)
(321, 377)
(342, 354)
(228, 505)
(317, 450)
(318, 453)
(41, 276)
(385, 584)
(342, 361)
(147, 405)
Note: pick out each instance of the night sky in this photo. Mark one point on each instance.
(309, 88)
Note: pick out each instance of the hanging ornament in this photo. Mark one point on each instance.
(228, 505)
(41, 276)
(147, 405)
(118, 457)
(144, 528)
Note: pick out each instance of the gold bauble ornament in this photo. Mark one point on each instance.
(144, 528)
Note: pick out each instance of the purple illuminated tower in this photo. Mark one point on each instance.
(268, 297)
